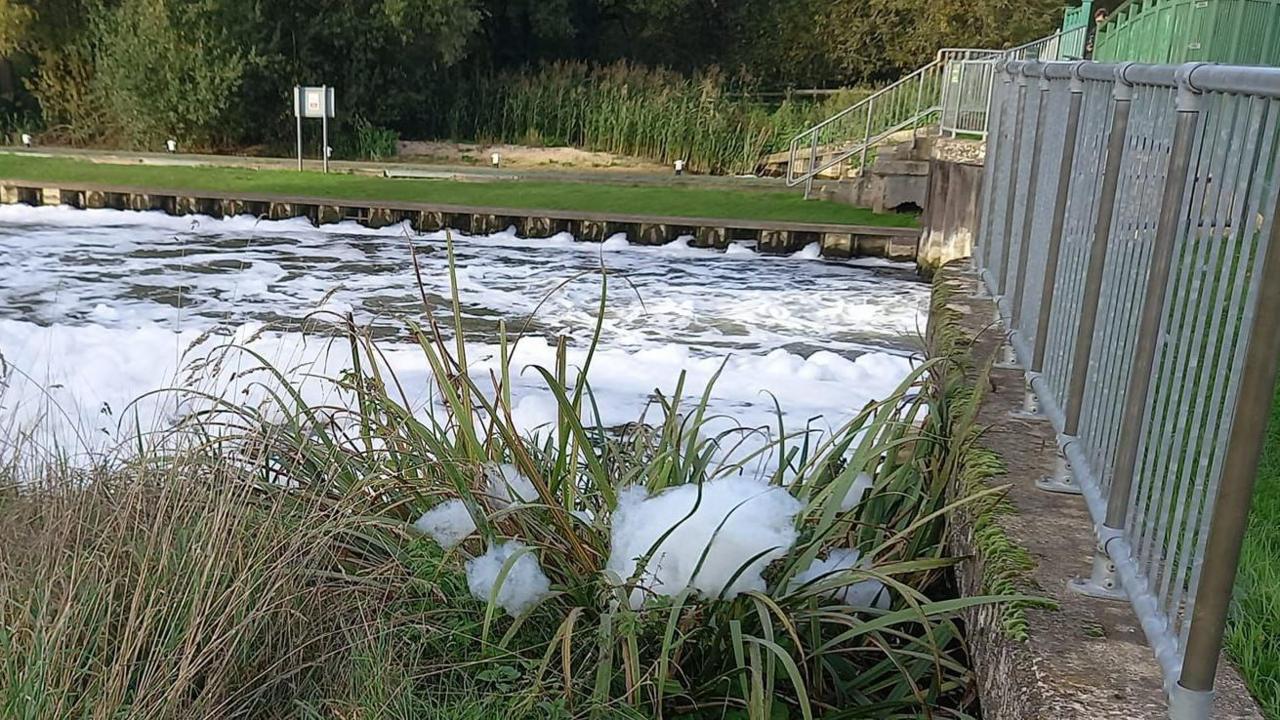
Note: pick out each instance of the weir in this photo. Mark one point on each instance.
(772, 237)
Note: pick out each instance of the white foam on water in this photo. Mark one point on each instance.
(812, 251)
(100, 307)
(507, 486)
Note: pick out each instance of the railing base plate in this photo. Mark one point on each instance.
(1088, 588)
(1102, 583)
(1056, 485)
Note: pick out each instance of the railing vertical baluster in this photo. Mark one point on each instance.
(1015, 159)
(1062, 480)
(1193, 694)
(866, 138)
(1029, 206)
(1056, 226)
(919, 106)
(813, 163)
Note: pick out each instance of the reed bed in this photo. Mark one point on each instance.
(259, 561)
(711, 120)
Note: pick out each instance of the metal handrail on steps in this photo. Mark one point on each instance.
(895, 107)
(911, 102)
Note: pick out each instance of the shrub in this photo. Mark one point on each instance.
(263, 561)
(363, 140)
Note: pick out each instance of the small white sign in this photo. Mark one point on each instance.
(313, 102)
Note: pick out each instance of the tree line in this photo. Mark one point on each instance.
(218, 73)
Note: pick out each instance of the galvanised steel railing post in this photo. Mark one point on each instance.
(813, 163)
(1029, 206)
(1019, 105)
(1122, 102)
(991, 166)
(1192, 696)
(866, 138)
(1057, 224)
(1172, 212)
(979, 257)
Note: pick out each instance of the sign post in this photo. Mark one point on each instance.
(314, 102)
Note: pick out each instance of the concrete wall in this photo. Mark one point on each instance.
(951, 214)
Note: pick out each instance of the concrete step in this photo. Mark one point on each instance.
(899, 167)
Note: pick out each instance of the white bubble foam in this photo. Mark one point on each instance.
(839, 562)
(99, 308)
(448, 523)
(726, 531)
(524, 586)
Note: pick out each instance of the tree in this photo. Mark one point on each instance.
(165, 69)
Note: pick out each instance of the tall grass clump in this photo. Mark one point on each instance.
(709, 119)
(367, 558)
(179, 587)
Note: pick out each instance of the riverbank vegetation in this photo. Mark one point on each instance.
(268, 557)
(706, 118)
(1253, 637)
(217, 75)
(616, 199)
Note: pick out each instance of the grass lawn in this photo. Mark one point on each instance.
(585, 197)
(1253, 639)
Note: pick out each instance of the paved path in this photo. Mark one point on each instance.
(472, 173)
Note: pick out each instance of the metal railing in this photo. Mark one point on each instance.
(966, 97)
(1077, 17)
(905, 104)
(1062, 45)
(1129, 235)
(967, 83)
(1244, 32)
(912, 102)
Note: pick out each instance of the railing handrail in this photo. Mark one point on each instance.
(944, 52)
(1147, 335)
(868, 99)
(921, 109)
(1040, 41)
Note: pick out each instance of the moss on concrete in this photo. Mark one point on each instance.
(1004, 565)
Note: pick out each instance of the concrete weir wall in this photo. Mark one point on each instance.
(951, 214)
(834, 240)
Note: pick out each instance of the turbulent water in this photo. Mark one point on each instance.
(100, 307)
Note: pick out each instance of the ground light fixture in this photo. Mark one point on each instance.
(26, 139)
(679, 167)
(171, 145)
(495, 160)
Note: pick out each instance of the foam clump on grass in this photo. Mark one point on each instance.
(448, 523)
(740, 523)
(524, 586)
(839, 561)
(507, 486)
(861, 484)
